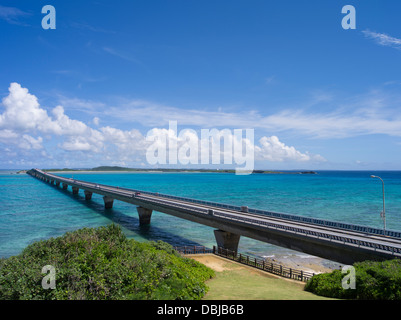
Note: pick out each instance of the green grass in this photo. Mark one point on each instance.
(239, 282)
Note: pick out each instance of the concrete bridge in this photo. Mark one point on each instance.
(336, 241)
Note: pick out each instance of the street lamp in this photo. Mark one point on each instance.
(383, 213)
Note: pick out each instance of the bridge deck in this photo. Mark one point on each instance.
(332, 240)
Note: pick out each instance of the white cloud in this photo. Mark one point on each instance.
(24, 122)
(335, 124)
(76, 144)
(121, 55)
(153, 114)
(22, 141)
(272, 149)
(6, 135)
(81, 105)
(24, 117)
(13, 15)
(383, 39)
(372, 113)
(222, 146)
(28, 142)
(23, 112)
(66, 126)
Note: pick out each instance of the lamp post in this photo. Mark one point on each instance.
(383, 213)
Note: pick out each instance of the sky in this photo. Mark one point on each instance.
(110, 74)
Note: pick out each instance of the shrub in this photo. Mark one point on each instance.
(374, 280)
(102, 263)
(328, 285)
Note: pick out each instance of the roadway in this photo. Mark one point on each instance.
(342, 245)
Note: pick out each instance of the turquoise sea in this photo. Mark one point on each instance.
(32, 210)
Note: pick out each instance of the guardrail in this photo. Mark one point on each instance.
(261, 264)
(193, 249)
(286, 216)
(244, 218)
(309, 233)
(316, 234)
(321, 222)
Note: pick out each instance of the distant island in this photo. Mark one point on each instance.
(285, 172)
(125, 169)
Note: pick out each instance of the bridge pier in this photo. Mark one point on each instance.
(144, 215)
(227, 240)
(57, 183)
(65, 186)
(108, 202)
(75, 190)
(88, 195)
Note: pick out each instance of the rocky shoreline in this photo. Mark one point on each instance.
(304, 262)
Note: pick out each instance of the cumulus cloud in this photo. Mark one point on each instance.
(63, 125)
(27, 126)
(7, 135)
(23, 112)
(22, 141)
(28, 142)
(75, 144)
(24, 117)
(218, 147)
(272, 149)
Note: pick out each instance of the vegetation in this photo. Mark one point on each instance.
(373, 280)
(102, 263)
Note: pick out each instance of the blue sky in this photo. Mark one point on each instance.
(88, 92)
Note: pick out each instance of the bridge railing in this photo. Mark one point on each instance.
(322, 222)
(286, 216)
(396, 251)
(290, 217)
(193, 249)
(92, 185)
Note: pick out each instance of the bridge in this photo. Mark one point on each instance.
(336, 241)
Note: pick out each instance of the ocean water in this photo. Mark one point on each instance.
(32, 210)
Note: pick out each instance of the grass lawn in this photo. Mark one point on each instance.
(234, 281)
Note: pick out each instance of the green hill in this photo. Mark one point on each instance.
(101, 263)
(111, 168)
